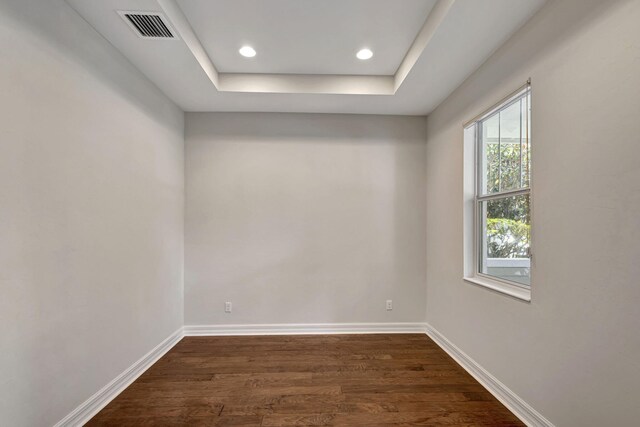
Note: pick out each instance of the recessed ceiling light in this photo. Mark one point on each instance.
(364, 54)
(247, 51)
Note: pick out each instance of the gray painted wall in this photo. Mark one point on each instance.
(91, 213)
(572, 353)
(312, 218)
(303, 218)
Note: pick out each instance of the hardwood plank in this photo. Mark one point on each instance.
(411, 418)
(366, 380)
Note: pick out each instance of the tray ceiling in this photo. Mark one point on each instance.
(305, 61)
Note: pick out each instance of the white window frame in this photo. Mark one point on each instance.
(473, 199)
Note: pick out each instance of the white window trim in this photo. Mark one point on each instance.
(470, 215)
(498, 285)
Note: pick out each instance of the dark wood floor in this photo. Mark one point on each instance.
(364, 380)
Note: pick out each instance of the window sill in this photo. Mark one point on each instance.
(504, 288)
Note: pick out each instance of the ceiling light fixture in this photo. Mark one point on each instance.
(364, 54)
(247, 51)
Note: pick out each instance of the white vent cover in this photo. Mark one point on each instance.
(149, 25)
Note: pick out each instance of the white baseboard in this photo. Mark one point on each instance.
(508, 398)
(304, 329)
(95, 403)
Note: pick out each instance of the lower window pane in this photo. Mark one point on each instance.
(505, 233)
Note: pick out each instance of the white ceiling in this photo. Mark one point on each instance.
(307, 36)
(423, 49)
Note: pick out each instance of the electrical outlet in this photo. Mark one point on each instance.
(227, 307)
(389, 305)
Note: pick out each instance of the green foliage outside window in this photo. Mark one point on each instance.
(507, 238)
(508, 219)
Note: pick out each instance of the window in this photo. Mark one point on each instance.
(498, 186)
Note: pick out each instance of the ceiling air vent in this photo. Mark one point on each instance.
(149, 25)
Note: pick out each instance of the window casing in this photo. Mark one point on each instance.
(497, 197)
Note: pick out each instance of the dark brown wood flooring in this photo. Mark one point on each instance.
(363, 380)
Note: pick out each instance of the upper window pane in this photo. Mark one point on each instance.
(525, 105)
(510, 153)
(490, 163)
(505, 148)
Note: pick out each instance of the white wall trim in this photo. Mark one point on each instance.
(508, 398)
(95, 403)
(304, 329)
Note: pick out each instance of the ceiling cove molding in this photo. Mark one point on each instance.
(433, 21)
(181, 24)
(306, 83)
